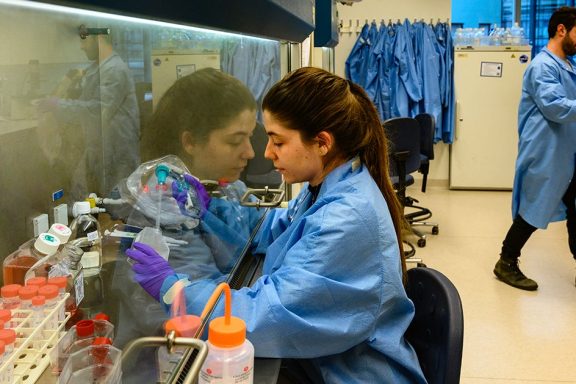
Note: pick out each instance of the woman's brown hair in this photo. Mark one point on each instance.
(311, 100)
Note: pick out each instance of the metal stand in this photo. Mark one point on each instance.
(171, 341)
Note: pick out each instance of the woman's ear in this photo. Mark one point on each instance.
(325, 142)
(187, 142)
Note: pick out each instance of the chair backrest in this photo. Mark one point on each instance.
(427, 127)
(404, 136)
(437, 330)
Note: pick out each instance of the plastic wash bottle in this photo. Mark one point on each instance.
(230, 357)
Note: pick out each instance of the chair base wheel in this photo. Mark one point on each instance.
(435, 230)
(421, 243)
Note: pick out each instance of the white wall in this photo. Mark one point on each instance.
(384, 10)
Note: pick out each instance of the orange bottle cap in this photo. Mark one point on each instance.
(184, 326)
(101, 316)
(227, 334)
(49, 291)
(10, 290)
(8, 336)
(85, 328)
(227, 331)
(36, 281)
(38, 301)
(27, 293)
(102, 341)
(59, 281)
(5, 314)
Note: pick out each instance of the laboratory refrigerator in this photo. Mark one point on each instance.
(488, 86)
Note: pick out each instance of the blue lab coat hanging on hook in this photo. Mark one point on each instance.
(357, 62)
(407, 88)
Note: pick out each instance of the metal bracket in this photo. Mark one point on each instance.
(84, 31)
(171, 341)
(265, 197)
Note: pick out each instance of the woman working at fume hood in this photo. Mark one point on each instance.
(331, 289)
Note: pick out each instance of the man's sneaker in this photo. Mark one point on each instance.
(508, 272)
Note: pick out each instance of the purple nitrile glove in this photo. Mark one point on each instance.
(180, 194)
(150, 269)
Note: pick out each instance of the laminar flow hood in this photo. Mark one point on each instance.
(290, 20)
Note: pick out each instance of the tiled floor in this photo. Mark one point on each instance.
(511, 336)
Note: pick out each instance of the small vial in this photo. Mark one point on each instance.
(10, 298)
(6, 318)
(26, 294)
(50, 293)
(3, 375)
(60, 282)
(38, 303)
(36, 281)
(8, 337)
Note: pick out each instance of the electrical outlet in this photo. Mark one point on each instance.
(60, 214)
(40, 224)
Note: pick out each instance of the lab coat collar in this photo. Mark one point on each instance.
(339, 173)
(561, 62)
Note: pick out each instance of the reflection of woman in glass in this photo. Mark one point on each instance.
(206, 119)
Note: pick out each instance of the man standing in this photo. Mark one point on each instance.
(107, 110)
(545, 180)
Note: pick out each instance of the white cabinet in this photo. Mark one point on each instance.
(488, 85)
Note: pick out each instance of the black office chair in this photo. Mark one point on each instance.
(404, 136)
(437, 330)
(427, 127)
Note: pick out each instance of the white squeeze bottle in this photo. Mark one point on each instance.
(230, 357)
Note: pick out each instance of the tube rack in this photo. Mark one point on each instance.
(31, 355)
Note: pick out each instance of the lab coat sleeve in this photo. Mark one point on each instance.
(549, 93)
(326, 294)
(113, 88)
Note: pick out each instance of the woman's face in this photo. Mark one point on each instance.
(227, 151)
(295, 160)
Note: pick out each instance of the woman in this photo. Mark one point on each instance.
(331, 289)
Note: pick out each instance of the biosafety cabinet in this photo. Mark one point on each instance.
(79, 84)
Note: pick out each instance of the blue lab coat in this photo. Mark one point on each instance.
(371, 84)
(547, 144)
(331, 286)
(107, 110)
(407, 89)
(356, 65)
